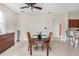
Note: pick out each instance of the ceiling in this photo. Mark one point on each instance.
(46, 7)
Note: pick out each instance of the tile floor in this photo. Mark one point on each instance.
(58, 49)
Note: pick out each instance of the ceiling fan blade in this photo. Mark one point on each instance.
(30, 4)
(24, 7)
(37, 7)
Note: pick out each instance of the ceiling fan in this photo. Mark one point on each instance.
(32, 6)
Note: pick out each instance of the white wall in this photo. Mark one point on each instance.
(74, 15)
(36, 22)
(33, 23)
(10, 18)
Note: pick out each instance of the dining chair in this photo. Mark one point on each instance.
(50, 41)
(29, 39)
(76, 37)
(69, 37)
(50, 37)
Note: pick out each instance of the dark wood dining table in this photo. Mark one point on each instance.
(36, 40)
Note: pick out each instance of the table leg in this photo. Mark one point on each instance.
(42, 47)
(30, 48)
(47, 49)
(36, 47)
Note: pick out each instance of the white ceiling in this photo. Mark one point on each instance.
(46, 7)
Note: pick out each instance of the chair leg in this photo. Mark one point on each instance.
(78, 43)
(73, 43)
(69, 41)
(42, 47)
(28, 47)
(50, 48)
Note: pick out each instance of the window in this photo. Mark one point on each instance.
(2, 23)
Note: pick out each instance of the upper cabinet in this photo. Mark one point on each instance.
(73, 23)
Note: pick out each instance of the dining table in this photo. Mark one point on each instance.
(37, 41)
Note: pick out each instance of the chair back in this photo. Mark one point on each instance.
(76, 34)
(69, 33)
(28, 35)
(50, 36)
